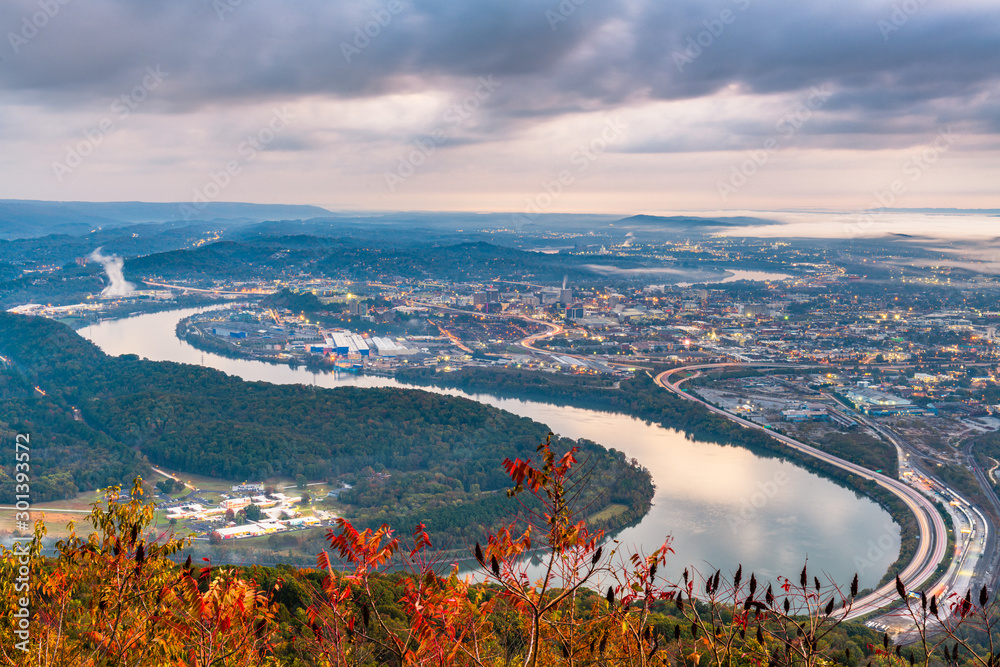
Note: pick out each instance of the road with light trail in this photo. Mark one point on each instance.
(933, 539)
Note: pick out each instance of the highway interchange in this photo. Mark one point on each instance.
(975, 553)
(933, 532)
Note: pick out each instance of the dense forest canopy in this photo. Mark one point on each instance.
(297, 302)
(346, 258)
(440, 456)
(122, 598)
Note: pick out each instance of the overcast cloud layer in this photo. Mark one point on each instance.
(578, 105)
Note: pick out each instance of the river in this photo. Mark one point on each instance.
(723, 506)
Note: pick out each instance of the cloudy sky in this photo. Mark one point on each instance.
(613, 106)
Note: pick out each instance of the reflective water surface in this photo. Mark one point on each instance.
(722, 506)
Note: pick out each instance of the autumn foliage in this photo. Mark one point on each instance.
(547, 591)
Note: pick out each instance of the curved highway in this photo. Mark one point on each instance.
(554, 330)
(992, 571)
(933, 538)
(933, 532)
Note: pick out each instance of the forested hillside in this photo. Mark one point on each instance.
(349, 258)
(441, 455)
(579, 599)
(66, 455)
(642, 398)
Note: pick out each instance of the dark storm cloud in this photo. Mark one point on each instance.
(893, 68)
(280, 48)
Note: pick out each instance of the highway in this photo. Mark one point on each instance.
(971, 545)
(991, 546)
(554, 329)
(176, 479)
(975, 535)
(455, 340)
(933, 538)
(458, 311)
(975, 559)
(186, 288)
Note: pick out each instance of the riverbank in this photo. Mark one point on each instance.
(640, 397)
(135, 309)
(723, 506)
(413, 457)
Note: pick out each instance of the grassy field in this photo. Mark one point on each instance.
(608, 512)
(198, 481)
(55, 514)
(55, 522)
(218, 485)
(59, 513)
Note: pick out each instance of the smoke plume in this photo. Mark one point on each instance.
(113, 267)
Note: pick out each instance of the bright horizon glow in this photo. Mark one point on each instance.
(499, 107)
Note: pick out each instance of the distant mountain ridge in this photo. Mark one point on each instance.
(30, 218)
(25, 219)
(685, 221)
